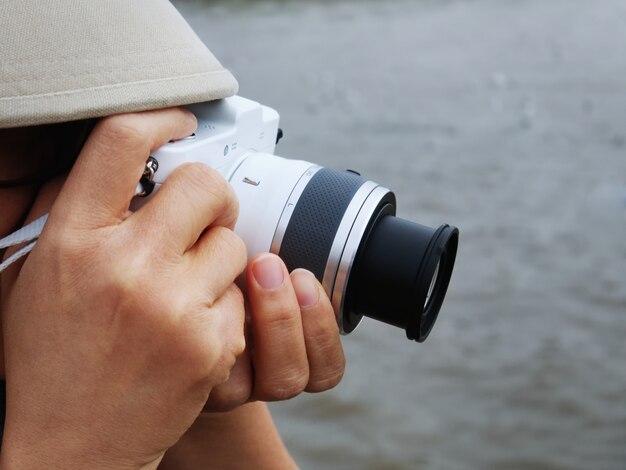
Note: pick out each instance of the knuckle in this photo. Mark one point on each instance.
(329, 378)
(236, 297)
(322, 333)
(233, 245)
(195, 171)
(126, 129)
(324, 350)
(123, 284)
(216, 186)
(241, 251)
(227, 245)
(204, 185)
(281, 321)
(121, 279)
(191, 122)
(228, 396)
(232, 301)
(198, 175)
(218, 402)
(206, 356)
(322, 330)
(215, 344)
(288, 384)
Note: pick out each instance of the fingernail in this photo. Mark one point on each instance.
(268, 272)
(306, 287)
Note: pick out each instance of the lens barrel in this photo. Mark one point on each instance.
(343, 229)
(401, 274)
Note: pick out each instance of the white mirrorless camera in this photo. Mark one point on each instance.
(334, 223)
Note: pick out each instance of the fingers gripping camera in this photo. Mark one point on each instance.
(334, 223)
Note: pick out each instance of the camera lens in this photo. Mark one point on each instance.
(401, 274)
(343, 228)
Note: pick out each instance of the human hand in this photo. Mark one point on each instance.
(293, 346)
(293, 339)
(118, 325)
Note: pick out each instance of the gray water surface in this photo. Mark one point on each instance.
(506, 118)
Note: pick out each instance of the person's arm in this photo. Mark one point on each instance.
(243, 438)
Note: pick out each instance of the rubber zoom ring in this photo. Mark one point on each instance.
(316, 218)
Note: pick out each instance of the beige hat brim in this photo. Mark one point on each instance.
(64, 60)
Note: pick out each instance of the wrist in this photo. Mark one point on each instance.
(245, 435)
(17, 455)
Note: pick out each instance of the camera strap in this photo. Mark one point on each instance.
(27, 234)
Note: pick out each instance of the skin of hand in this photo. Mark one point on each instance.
(292, 342)
(118, 325)
(296, 348)
(293, 346)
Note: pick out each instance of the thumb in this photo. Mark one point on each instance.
(102, 182)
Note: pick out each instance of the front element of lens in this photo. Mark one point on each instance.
(431, 289)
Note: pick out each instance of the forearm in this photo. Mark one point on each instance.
(243, 438)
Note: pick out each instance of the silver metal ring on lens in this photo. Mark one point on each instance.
(431, 288)
(357, 219)
(343, 231)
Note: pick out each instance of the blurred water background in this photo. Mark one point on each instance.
(506, 118)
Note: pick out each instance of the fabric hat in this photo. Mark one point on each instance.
(63, 60)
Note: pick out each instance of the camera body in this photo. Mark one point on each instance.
(230, 132)
(335, 223)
